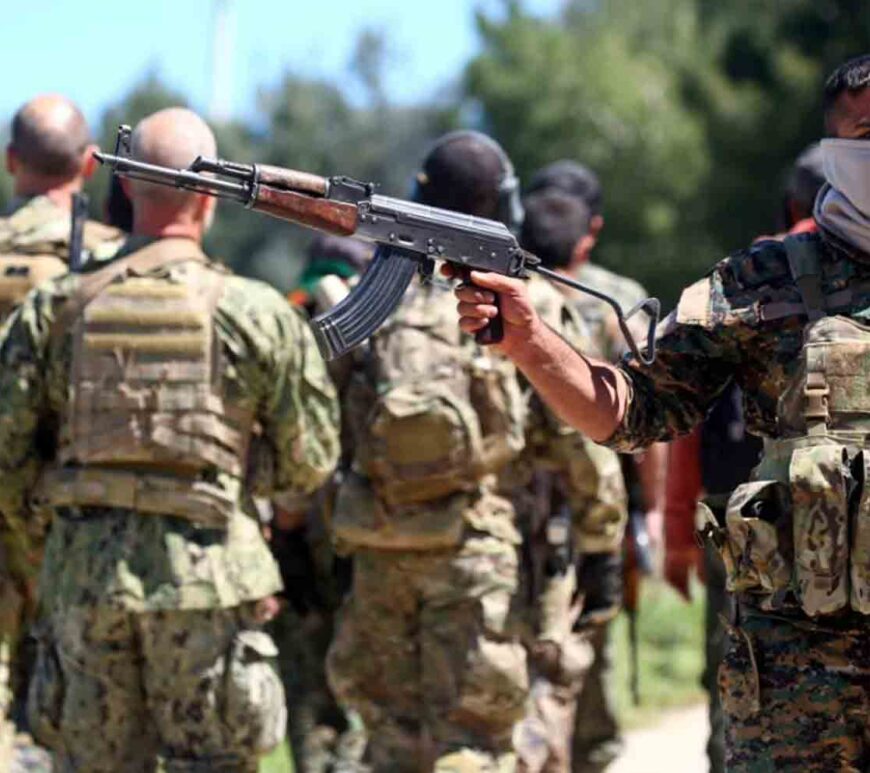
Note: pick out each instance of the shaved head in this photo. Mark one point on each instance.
(172, 137)
(49, 137)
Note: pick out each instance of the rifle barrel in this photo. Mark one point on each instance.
(179, 178)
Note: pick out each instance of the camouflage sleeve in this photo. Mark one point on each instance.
(297, 405)
(24, 401)
(698, 349)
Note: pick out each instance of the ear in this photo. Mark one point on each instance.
(205, 207)
(11, 160)
(582, 250)
(88, 162)
(596, 225)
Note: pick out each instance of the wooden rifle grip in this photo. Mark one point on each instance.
(493, 333)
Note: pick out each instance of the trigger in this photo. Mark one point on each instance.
(426, 270)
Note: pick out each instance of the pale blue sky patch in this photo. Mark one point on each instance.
(95, 50)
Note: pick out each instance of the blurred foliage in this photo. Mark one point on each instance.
(691, 111)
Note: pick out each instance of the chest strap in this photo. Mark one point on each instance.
(803, 264)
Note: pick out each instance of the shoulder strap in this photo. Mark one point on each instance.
(158, 254)
(805, 269)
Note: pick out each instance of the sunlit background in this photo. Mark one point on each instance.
(691, 111)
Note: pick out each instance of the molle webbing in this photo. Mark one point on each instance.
(197, 501)
(19, 274)
(145, 378)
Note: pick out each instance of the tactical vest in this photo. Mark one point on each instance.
(34, 247)
(800, 530)
(147, 425)
(441, 415)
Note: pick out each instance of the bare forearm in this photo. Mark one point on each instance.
(588, 394)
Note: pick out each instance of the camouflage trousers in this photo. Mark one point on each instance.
(112, 691)
(15, 615)
(324, 738)
(543, 738)
(423, 655)
(796, 698)
(597, 739)
(715, 646)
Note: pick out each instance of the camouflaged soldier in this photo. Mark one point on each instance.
(597, 738)
(48, 157)
(324, 736)
(143, 402)
(578, 501)
(786, 322)
(423, 651)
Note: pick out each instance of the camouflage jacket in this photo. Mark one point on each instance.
(37, 231)
(744, 322)
(144, 563)
(599, 317)
(363, 516)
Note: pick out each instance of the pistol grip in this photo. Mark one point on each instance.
(493, 333)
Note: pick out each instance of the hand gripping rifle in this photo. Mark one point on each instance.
(410, 237)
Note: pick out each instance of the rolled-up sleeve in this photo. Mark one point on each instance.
(697, 351)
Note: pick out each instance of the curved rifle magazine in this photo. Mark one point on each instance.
(362, 312)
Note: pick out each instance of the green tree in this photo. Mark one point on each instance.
(592, 85)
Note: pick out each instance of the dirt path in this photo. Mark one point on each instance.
(674, 745)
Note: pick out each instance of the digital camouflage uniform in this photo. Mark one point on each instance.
(209, 387)
(34, 246)
(568, 493)
(423, 651)
(786, 323)
(597, 738)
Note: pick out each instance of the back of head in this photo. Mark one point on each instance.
(49, 136)
(849, 78)
(173, 137)
(573, 179)
(805, 178)
(469, 172)
(555, 223)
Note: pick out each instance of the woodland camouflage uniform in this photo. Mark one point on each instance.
(211, 388)
(786, 322)
(34, 247)
(423, 650)
(585, 482)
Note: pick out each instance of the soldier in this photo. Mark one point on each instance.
(784, 320)
(597, 738)
(711, 462)
(324, 736)
(587, 501)
(143, 402)
(49, 156)
(423, 651)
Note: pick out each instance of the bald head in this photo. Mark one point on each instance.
(49, 138)
(173, 137)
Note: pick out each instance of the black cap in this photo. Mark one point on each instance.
(571, 178)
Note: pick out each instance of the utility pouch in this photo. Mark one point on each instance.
(758, 549)
(362, 520)
(819, 482)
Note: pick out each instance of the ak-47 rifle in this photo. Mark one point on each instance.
(410, 236)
